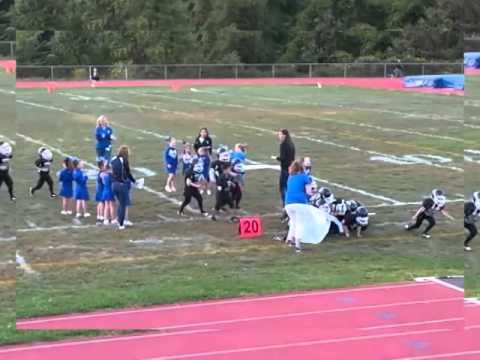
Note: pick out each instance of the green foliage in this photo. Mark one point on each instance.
(249, 31)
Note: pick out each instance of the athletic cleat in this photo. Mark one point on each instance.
(13, 199)
(30, 191)
(468, 248)
(121, 227)
(407, 227)
(78, 215)
(53, 196)
(180, 213)
(128, 223)
(206, 214)
(426, 236)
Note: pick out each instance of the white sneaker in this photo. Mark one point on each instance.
(168, 189)
(468, 248)
(127, 223)
(86, 215)
(114, 222)
(426, 236)
(78, 216)
(69, 212)
(63, 212)
(201, 191)
(121, 227)
(209, 192)
(100, 218)
(106, 222)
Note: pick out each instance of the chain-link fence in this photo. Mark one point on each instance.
(472, 43)
(236, 71)
(7, 50)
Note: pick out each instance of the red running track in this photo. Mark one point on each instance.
(402, 321)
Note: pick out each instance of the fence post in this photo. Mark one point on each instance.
(51, 73)
(385, 70)
(236, 71)
(12, 51)
(423, 69)
(165, 72)
(200, 71)
(345, 71)
(273, 70)
(309, 70)
(126, 72)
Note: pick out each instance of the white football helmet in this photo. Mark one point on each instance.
(6, 149)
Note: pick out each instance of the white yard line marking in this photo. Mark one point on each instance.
(221, 303)
(7, 139)
(441, 356)
(337, 185)
(401, 114)
(7, 92)
(418, 323)
(440, 282)
(346, 147)
(296, 345)
(102, 341)
(8, 239)
(472, 156)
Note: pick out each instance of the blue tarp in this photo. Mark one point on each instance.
(472, 60)
(435, 81)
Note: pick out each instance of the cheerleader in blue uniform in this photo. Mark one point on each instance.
(187, 157)
(171, 163)
(65, 177)
(99, 192)
(107, 195)
(81, 189)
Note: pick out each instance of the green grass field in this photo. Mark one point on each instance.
(381, 148)
(472, 175)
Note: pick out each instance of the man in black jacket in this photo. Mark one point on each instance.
(287, 156)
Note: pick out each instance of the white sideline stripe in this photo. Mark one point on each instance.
(413, 203)
(101, 341)
(8, 239)
(225, 302)
(440, 282)
(412, 324)
(7, 92)
(371, 109)
(441, 356)
(47, 107)
(296, 345)
(146, 188)
(341, 146)
(471, 126)
(309, 313)
(343, 122)
(6, 138)
(340, 186)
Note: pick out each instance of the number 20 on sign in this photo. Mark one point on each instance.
(250, 227)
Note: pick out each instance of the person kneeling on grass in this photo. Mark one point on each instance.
(436, 203)
(470, 213)
(356, 221)
(192, 187)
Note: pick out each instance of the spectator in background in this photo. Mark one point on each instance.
(398, 70)
(95, 76)
(287, 156)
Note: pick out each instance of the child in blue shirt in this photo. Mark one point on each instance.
(99, 192)
(204, 159)
(107, 194)
(171, 163)
(65, 177)
(81, 189)
(187, 157)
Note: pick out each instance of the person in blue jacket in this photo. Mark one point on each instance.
(104, 136)
(65, 177)
(81, 188)
(171, 163)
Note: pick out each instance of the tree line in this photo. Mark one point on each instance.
(237, 31)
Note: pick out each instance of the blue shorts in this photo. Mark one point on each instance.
(171, 170)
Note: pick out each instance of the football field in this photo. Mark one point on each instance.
(385, 149)
(472, 174)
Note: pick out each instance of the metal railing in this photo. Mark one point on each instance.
(7, 49)
(236, 71)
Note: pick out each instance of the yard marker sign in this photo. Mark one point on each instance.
(250, 227)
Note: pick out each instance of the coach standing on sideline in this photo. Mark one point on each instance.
(287, 156)
(121, 175)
